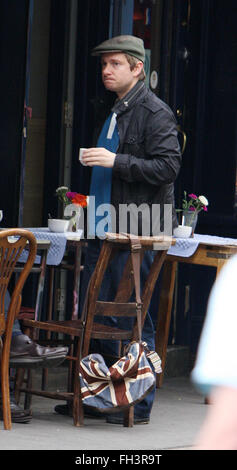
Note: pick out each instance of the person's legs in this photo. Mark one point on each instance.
(108, 292)
(142, 409)
(18, 415)
(108, 348)
(24, 349)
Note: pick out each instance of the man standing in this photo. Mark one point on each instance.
(143, 158)
(136, 160)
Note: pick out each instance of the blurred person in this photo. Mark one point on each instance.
(215, 370)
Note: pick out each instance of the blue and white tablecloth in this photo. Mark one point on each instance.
(187, 246)
(58, 243)
(183, 247)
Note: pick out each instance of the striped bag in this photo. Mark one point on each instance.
(125, 383)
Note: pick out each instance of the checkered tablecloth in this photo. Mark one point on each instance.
(184, 246)
(187, 246)
(58, 243)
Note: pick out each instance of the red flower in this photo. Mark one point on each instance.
(79, 199)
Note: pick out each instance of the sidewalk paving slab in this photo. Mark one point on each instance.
(177, 414)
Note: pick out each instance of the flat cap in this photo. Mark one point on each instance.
(127, 44)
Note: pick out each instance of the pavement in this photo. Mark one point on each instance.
(177, 415)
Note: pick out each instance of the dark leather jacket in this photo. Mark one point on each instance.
(148, 158)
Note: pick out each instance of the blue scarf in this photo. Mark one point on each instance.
(101, 181)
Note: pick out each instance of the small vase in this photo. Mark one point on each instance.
(190, 219)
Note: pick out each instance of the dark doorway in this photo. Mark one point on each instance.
(13, 47)
(203, 90)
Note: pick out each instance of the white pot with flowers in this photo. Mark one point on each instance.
(191, 206)
(73, 205)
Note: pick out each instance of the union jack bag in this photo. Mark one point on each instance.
(122, 385)
(131, 378)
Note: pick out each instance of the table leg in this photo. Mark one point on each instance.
(49, 317)
(40, 289)
(76, 282)
(164, 313)
(75, 306)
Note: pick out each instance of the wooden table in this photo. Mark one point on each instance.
(42, 250)
(57, 259)
(75, 267)
(206, 254)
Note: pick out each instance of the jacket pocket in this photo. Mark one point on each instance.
(134, 145)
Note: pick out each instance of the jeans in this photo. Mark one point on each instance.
(108, 290)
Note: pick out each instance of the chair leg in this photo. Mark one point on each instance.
(77, 408)
(6, 397)
(128, 417)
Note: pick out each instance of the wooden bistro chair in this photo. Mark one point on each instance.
(10, 251)
(83, 330)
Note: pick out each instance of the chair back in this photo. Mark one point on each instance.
(12, 243)
(122, 306)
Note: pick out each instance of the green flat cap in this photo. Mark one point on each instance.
(127, 44)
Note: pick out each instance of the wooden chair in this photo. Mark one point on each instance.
(10, 251)
(83, 330)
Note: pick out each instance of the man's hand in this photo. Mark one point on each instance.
(98, 156)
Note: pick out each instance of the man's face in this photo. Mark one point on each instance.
(116, 73)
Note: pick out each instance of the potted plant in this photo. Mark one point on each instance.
(191, 206)
(69, 198)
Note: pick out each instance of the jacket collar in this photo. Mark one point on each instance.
(129, 99)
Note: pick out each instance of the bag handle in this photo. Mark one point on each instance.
(136, 263)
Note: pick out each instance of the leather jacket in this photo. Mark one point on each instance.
(148, 158)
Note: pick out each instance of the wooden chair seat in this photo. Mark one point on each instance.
(70, 327)
(74, 328)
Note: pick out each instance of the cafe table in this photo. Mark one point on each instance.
(204, 250)
(60, 242)
(39, 267)
(55, 257)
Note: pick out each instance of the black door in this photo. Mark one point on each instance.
(92, 28)
(203, 93)
(13, 49)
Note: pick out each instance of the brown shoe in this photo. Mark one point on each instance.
(18, 415)
(25, 351)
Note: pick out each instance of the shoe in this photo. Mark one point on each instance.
(18, 415)
(117, 418)
(88, 411)
(26, 352)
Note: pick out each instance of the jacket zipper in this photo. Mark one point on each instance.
(126, 103)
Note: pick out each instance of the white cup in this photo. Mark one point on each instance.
(81, 151)
(58, 225)
(1, 215)
(182, 231)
